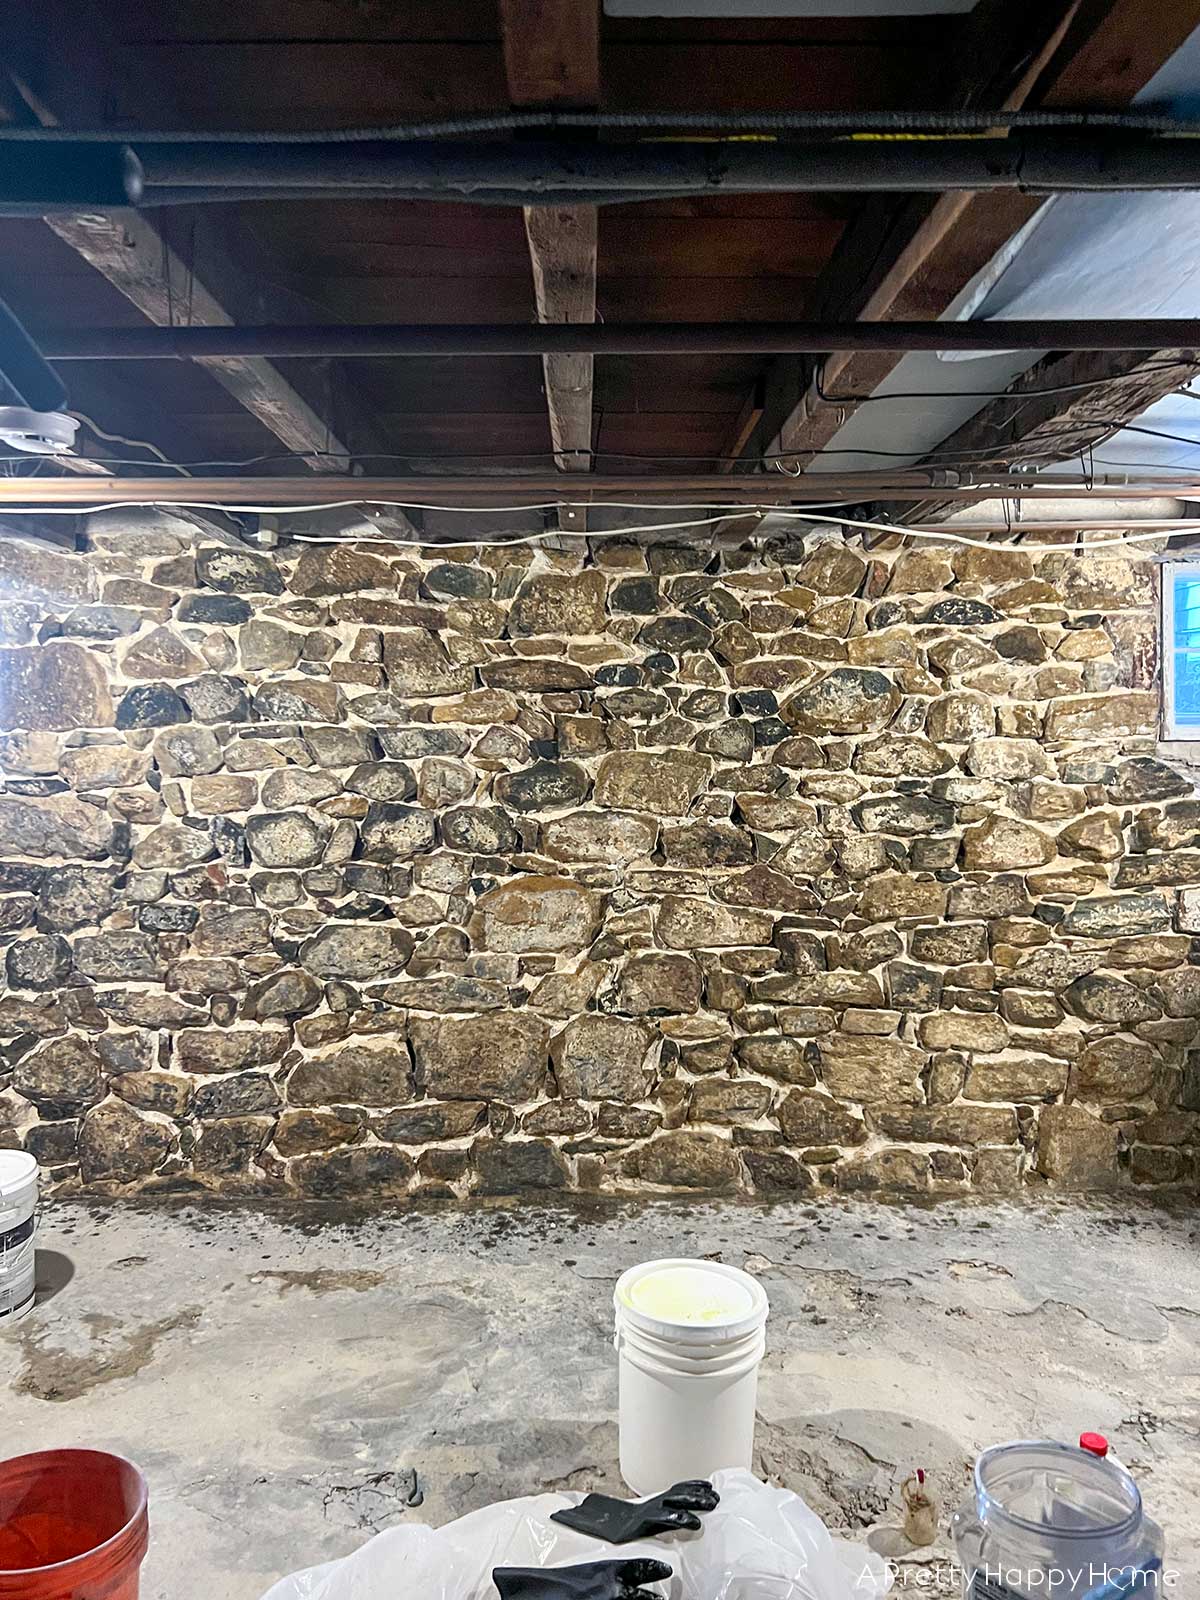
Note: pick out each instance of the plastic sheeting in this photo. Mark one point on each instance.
(759, 1544)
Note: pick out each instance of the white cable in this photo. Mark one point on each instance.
(792, 515)
(136, 444)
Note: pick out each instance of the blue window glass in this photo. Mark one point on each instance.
(1186, 647)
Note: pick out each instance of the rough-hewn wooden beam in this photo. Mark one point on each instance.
(914, 261)
(130, 252)
(1060, 409)
(552, 58)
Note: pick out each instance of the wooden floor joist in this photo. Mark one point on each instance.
(552, 59)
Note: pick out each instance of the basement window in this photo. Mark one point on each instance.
(1181, 651)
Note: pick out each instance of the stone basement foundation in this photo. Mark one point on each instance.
(370, 871)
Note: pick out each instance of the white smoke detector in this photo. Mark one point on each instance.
(38, 433)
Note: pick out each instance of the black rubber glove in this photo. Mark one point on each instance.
(621, 1521)
(595, 1580)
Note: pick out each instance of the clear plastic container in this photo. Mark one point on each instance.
(1049, 1521)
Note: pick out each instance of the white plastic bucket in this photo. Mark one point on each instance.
(690, 1336)
(18, 1224)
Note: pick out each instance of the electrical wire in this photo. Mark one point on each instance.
(979, 394)
(943, 122)
(136, 444)
(938, 535)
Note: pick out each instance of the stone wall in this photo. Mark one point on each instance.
(366, 871)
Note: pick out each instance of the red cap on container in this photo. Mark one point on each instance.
(1094, 1443)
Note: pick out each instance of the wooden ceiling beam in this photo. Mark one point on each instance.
(552, 60)
(1059, 410)
(913, 262)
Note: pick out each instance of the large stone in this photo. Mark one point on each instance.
(55, 686)
(1100, 582)
(784, 1060)
(118, 1145)
(160, 654)
(683, 923)
(614, 837)
(1102, 999)
(226, 930)
(689, 1161)
(340, 569)
(218, 1050)
(869, 1070)
(62, 1078)
(1117, 916)
(1001, 844)
(818, 1119)
(894, 895)
(1016, 1077)
(545, 786)
(216, 698)
(300, 700)
(417, 666)
(534, 914)
(383, 780)
(238, 572)
(529, 675)
(187, 752)
(1102, 716)
(1008, 758)
(104, 766)
(150, 705)
(75, 897)
(359, 1074)
(358, 951)
(1180, 992)
(707, 844)
(118, 954)
(968, 1126)
(657, 985)
(286, 839)
(481, 830)
(1114, 1068)
(172, 846)
(501, 1056)
(675, 635)
(901, 757)
(53, 825)
(268, 646)
(729, 1102)
(1143, 778)
(242, 1095)
(31, 570)
(560, 604)
(954, 1030)
(1094, 838)
(846, 700)
(601, 1058)
(364, 1174)
(665, 784)
(512, 1166)
(961, 718)
(426, 1124)
(833, 569)
(1076, 1151)
(284, 994)
(396, 832)
(905, 814)
(39, 962)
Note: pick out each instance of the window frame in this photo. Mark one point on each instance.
(1169, 729)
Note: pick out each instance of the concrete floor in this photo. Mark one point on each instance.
(293, 1383)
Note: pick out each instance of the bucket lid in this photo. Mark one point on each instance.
(691, 1299)
(18, 1175)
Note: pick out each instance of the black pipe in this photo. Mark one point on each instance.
(1037, 162)
(85, 174)
(612, 338)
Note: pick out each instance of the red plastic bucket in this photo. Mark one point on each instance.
(73, 1526)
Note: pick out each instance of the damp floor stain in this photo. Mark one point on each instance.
(52, 1373)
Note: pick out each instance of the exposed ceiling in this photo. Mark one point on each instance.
(322, 64)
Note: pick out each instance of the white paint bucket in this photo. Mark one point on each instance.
(690, 1337)
(18, 1223)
